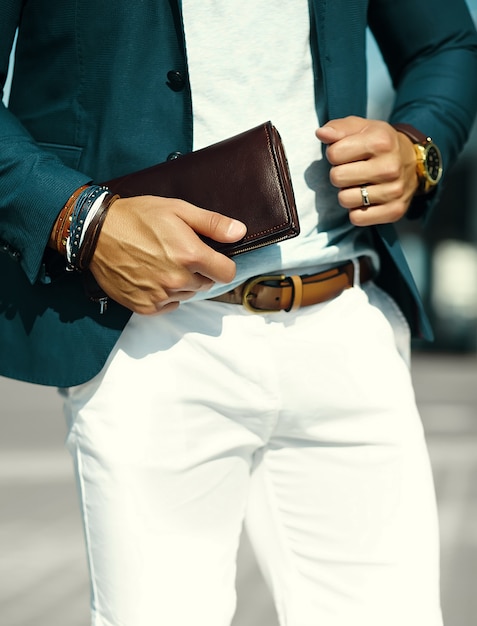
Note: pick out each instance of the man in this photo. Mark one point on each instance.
(183, 424)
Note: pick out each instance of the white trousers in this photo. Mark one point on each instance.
(303, 424)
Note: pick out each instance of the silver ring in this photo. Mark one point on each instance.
(365, 196)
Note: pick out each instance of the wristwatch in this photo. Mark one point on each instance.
(428, 158)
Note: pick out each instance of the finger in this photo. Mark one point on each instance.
(173, 301)
(174, 281)
(362, 150)
(367, 216)
(352, 174)
(362, 196)
(188, 288)
(214, 266)
(206, 283)
(166, 308)
(353, 149)
(357, 197)
(386, 169)
(176, 296)
(378, 214)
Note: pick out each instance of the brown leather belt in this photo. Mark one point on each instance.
(266, 294)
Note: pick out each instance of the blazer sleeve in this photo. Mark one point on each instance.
(34, 184)
(430, 49)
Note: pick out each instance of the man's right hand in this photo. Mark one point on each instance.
(149, 257)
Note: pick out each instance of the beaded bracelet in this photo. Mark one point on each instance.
(84, 205)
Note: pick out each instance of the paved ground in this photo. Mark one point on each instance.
(42, 569)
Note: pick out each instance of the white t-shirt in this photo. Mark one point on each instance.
(249, 62)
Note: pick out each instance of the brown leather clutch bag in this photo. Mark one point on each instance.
(245, 177)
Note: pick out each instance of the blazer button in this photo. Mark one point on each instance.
(175, 80)
(174, 155)
(12, 253)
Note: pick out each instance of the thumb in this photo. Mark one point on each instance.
(217, 226)
(340, 128)
(327, 134)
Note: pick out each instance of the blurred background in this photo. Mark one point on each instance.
(43, 578)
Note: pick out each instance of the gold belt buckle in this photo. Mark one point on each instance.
(247, 293)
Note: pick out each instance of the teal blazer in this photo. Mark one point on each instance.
(100, 89)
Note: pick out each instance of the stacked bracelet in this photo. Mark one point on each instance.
(76, 231)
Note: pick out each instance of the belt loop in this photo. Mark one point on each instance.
(297, 293)
(356, 273)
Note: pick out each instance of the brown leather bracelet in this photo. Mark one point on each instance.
(60, 231)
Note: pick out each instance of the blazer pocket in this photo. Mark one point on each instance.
(70, 155)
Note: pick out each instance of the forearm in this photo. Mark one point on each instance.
(432, 61)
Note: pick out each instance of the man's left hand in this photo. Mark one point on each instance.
(373, 166)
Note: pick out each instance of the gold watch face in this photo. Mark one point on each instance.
(433, 163)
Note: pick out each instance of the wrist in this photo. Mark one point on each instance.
(427, 158)
(60, 232)
(408, 156)
(78, 225)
